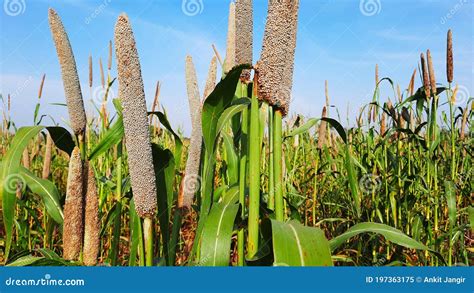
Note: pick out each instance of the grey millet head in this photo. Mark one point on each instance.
(72, 88)
(275, 68)
(135, 120)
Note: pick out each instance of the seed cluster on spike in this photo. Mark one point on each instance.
(275, 68)
(426, 78)
(449, 57)
(191, 174)
(91, 220)
(72, 87)
(135, 120)
(431, 73)
(244, 35)
(211, 78)
(73, 208)
(230, 50)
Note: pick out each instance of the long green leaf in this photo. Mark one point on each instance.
(177, 140)
(339, 128)
(451, 201)
(217, 102)
(297, 245)
(112, 137)
(48, 192)
(391, 234)
(163, 161)
(229, 113)
(9, 176)
(303, 128)
(231, 159)
(217, 234)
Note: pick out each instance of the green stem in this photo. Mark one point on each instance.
(254, 179)
(118, 211)
(242, 179)
(148, 238)
(277, 164)
(271, 178)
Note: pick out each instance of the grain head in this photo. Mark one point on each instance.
(426, 78)
(135, 120)
(47, 157)
(191, 181)
(72, 88)
(431, 73)
(244, 35)
(230, 51)
(73, 227)
(211, 78)
(91, 221)
(275, 68)
(449, 57)
(322, 132)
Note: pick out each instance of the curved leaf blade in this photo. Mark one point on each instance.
(48, 192)
(391, 234)
(298, 245)
(217, 234)
(112, 137)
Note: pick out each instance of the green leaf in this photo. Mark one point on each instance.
(229, 113)
(177, 140)
(451, 201)
(216, 103)
(9, 176)
(340, 130)
(217, 234)
(297, 245)
(303, 128)
(25, 261)
(231, 195)
(62, 138)
(391, 234)
(231, 159)
(352, 178)
(111, 138)
(163, 162)
(48, 192)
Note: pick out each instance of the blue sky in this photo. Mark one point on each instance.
(338, 40)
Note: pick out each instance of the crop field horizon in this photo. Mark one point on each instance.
(249, 181)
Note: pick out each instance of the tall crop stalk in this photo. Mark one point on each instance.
(137, 139)
(243, 171)
(277, 165)
(254, 175)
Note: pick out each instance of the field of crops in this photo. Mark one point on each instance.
(254, 184)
